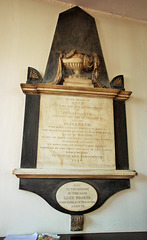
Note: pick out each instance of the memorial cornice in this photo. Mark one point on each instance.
(40, 88)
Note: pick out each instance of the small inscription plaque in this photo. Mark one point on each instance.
(76, 132)
(76, 196)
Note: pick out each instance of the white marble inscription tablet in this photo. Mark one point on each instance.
(76, 132)
(76, 196)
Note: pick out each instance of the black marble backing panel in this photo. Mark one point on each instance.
(47, 188)
(30, 134)
(121, 144)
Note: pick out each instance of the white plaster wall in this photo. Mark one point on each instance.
(26, 32)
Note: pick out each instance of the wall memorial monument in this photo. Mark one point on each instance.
(74, 151)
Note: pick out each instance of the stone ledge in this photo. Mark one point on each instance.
(74, 173)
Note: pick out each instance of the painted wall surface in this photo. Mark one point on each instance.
(26, 33)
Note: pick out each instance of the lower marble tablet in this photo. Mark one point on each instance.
(76, 196)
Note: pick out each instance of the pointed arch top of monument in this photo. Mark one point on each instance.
(76, 9)
(75, 29)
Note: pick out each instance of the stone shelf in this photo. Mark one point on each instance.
(74, 173)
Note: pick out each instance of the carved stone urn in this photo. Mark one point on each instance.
(74, 63)
(77, 62)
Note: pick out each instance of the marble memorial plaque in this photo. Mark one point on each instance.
(76, 196)
(76, 132)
